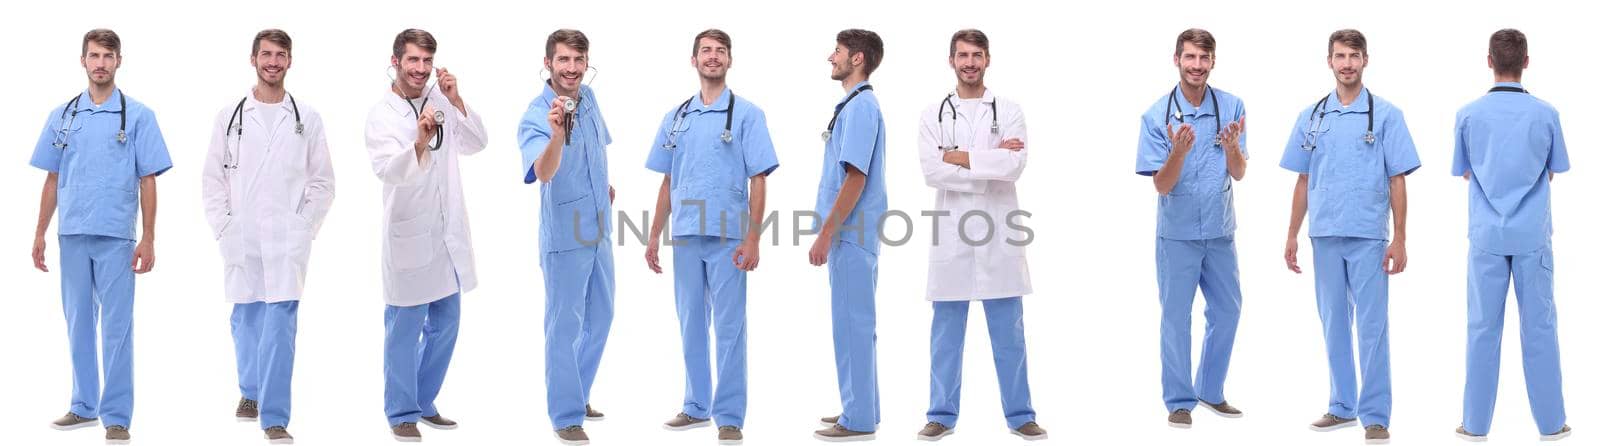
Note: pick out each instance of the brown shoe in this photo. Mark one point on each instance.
(572, 435)
(248, 411)
(438, 422)
(1223, 409)
(1377, 434)
(829, 421)
(1330, 422)
(1030, 431)
(72, 421)
(117, 435)
(406, 433)
(838, 434)
(278, 435)
(592, 415)
(1180, 419)
(934, 431)
(1566, 431)
(729, 436)
(1461, 432)
(683, 422)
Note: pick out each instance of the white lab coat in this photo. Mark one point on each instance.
(427, 246)
(266, 206)
(958, 270)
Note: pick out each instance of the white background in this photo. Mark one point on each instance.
(1083, 73)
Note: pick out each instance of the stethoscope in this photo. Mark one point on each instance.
(828, 134)
(416, 109)
(61, 141)
(683, 112)
(570, 106)
(1320, 112)
(1216, 113)
(994, 121)
(236, 128)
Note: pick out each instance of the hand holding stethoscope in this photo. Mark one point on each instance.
(562, 111)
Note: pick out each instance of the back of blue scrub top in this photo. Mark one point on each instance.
(1510, 142)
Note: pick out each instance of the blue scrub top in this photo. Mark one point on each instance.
(1200, 206)
(1510, 142)
(575, 205)
(1348, 190)
(97, 189)
(858, 141)
(705, 168)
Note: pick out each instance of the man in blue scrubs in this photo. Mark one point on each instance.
(1353, 152)
(717, 147)
(103, 151)
(564, 150)
(851, 201)
(1509, 147)
(1192, 143)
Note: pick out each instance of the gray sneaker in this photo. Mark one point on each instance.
(829, 421)
(1180, 419)
(1461, 432)
(1377, 434)
(1565, 432)
(934, 431)
(729, 436)
(72, 421)
(406, 433)
(117, 435)
(278, 435)
(683, 422)
(837, 434)
(1330, 422)
(572, 435)
(248, 411)
(1223, 409)
(438, 422)
(592, 415)
(1030, 431)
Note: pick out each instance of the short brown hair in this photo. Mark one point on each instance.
(1349, 37)
(713, 34)
(972, 36)
(569, 37)
(103, 37)
(865, 42)
(276, 36)
(1508, 48)
(1199, 37)
(420, 38)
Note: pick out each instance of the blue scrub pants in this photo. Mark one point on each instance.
(417, 344)
(853, 278)
(263, 345)
(1182, 266)
(710, 289)
(1352, 288)
(1004, 319)
(578, 307)
(97, 292)
(1488, 276)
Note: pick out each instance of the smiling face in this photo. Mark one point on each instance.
(970, 62)
(1194, 65)
(712, 59)
(100, 64)
(271, 62)
(567, 66)
(414, 67)
(1347, 64)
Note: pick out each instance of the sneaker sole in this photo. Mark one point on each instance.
(443, 427)
(730, 442)
(1555, 437)
(1030, 437)
(1334, 427)
(572, 442)
(1378, 441)
(589, 418)
(695, 425)
(73, 427)
(1221, 413)
(281, 441)
(1180, 425)
(946, 433)
(1472, 438)
(406, 439)
(118, 442)
(867, 437)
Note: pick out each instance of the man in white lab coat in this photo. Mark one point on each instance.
(414, 136)
(972, 151)
(267, 184)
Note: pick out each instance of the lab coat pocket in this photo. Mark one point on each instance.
(411, 243)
